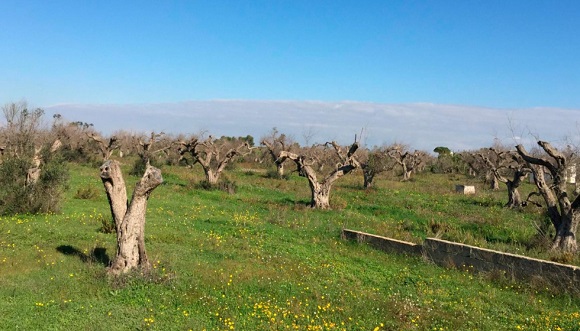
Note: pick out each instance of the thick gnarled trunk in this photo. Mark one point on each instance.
(565, 215)
(565, 239)
(493, 182)
(320, 191)
(368, 177)
(320, 195)
(514, 197)
(406, 174)
(129, 220)
(211, 176)
(213, 155)
(116, 190)
(280, 169)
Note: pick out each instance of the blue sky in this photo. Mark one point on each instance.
(499, 54)
(509, 54)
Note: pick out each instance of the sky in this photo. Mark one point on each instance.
(509, 56)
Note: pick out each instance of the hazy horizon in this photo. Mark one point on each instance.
(420, 125)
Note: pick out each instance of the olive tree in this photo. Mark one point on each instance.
(563, 212)
(214, 154)
(129, 216)
(505, 164)
(323, 165)
(276, 142)
(374, 162)
(409, 161)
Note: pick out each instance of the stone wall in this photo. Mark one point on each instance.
(454, 255)
(451, 254)
(383, 243)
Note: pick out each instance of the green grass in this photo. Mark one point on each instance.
(261, 260)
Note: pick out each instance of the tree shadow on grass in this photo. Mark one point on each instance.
(99, 254)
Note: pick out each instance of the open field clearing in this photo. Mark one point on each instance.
(260, 259)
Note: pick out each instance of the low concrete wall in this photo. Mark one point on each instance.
(383, 243)
(454, 255)
(451, 254)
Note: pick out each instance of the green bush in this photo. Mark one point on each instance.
(87, 193)
(42, 197)
(225, 185)
(140, 165)
(273, 173)
(107, 224)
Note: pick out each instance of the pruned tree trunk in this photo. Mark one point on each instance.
(407, 174)
(565, 239)
(514, 197)
(33, 173)
(129, 219)
(320, 195)
(276, 143)
(548, 195)
(408, 161)
(494, 183)
(116, 190)
(368, 177)
(211, 176)
(280, 169)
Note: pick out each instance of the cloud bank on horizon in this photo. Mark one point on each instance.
(420, 125)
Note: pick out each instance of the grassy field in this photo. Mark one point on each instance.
(261, 260)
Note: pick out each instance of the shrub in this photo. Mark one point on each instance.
(225, 185)
(42, 197)
(141, 164)
(107, 224)
(87, 193)
(273, 173)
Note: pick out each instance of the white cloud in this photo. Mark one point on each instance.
(421, 125)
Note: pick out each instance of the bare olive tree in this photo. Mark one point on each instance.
(564, 214)
(312, 162)
(475, 165)
(106, 146)
(147, 154)
(409, 161)
(495, 160)
(129, 216)
(276, 142)
(214, 154)
(374, 162)
(508, 163)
